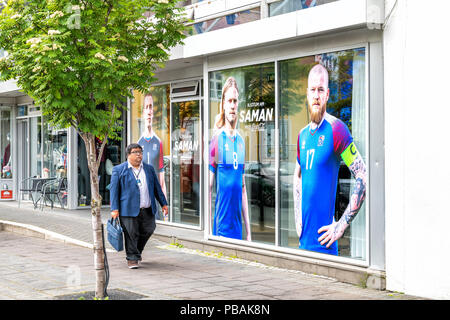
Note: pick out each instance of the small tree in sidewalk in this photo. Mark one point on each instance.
(78, 60)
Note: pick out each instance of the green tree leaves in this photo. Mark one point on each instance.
(72, 56)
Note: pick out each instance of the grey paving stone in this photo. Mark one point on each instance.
(34, 268)
(214, 289)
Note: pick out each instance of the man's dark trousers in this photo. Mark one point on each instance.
(137, 231)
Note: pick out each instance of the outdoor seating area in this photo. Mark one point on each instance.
(44, 190)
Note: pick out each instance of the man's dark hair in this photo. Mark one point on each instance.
(148, 94)
(132, 146)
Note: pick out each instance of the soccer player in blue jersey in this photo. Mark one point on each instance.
(320, 147)
(227, 158)
(151, 144)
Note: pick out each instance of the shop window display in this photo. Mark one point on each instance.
(347, 111)
(242, 153)
(5, 144)
(111, 157)
(55, 152)
(150, 127)
(113, 154)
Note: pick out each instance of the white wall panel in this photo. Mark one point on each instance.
(417, 153)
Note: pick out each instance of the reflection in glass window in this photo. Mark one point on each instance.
(35, 139)
(111, 157)
(5, 144)
(346, 102)
(113, 154)
(225, 21)
(184, 3)
(255, 116)
(55, 152)
(286, 6)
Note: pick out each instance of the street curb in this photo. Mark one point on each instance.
(33, 231)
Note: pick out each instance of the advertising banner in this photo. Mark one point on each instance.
(242, 155)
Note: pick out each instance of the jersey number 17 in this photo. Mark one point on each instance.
(309, 158)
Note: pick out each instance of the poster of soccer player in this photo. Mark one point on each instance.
(322, 145)
(151, 144)
(242, 153)
(226, 165)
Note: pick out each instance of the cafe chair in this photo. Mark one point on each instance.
(31, 186)
(54, 188)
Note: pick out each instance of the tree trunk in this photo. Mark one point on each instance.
(96, 203)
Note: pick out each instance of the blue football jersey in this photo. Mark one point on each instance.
(152, 152)
(227, 158)
(319, 155)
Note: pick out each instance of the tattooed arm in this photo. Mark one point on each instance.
(335, 230)
(297, 193)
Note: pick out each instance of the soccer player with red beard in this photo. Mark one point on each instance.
(320, 147)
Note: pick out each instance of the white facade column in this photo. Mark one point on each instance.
(417, 152)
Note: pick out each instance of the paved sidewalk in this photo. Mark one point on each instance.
(35, 268)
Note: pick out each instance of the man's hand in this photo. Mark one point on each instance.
(114, 214)
(332, 232)
(165, 211)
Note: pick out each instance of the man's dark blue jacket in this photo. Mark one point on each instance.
(124, 190)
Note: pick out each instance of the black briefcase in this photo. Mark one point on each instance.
(115, 233)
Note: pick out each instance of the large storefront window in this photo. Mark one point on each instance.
(150, 127)
(322, 148)
(113, 154)
(5, 144)
(45, 154)
(42, 149)
(242, 153)
(346, 72)
(55, 152)
(111, 157)
(166, 122)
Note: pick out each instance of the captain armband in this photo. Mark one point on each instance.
(350, 154)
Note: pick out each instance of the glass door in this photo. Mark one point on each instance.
(186, 156)
(29, 137)
(35, 143)
(23, 146)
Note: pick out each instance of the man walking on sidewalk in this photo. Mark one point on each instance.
(134, 188)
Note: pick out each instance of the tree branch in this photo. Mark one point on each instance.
(105, 140)
(110, 7)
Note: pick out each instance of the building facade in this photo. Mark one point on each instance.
(30, 147)
(268, 47)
